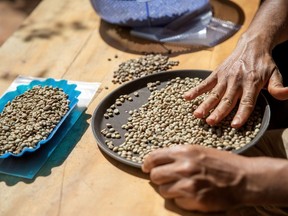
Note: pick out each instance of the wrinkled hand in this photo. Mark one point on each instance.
(240, 78)
(198, 178)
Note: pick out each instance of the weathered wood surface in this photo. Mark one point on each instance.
(65, 39)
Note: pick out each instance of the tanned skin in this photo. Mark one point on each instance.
(192, 175)
(247, 70)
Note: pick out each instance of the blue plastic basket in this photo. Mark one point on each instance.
(136, 13)
(69, 89)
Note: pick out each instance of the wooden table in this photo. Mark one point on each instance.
(65, 39)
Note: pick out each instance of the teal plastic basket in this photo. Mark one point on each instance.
(69, 89)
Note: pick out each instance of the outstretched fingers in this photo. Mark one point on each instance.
(205, 86)
(225, 106)
(211, 101)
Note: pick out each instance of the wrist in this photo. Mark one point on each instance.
(269, 25)
(266, 182)
(256, 40)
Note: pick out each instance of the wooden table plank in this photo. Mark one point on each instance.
(48, 41)
(61, 39)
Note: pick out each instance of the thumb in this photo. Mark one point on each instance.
(275, 86)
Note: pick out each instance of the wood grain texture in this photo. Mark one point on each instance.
(62, 39)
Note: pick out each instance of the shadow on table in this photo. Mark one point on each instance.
(120, 38)
(171, 206)
(124, 167)
(67, 145)
(46, 33)
(168, 204)
(58, 156)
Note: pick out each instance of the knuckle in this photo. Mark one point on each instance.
(248, 100)
(204, 83)
(163, 191)
(190, 186)
(238, 76)
(227, 101)
(255, 79)
(155, 177)
(185, 169)
(214, 95)
(194, 90)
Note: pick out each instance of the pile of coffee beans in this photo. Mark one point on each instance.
(145, 65)
(31, 117)
(167, 119)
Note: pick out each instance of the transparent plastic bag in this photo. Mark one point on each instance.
(198, 28)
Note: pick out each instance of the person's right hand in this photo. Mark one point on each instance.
(240, 77)
(208, 180)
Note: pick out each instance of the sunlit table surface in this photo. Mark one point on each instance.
(67, 40)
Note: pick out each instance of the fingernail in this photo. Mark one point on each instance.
(211, 120)
(235, 122)
(186, 95)
(198, 113)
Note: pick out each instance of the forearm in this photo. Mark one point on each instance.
(270, 25)
(268, 182)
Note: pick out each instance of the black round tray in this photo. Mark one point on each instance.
(140, 85)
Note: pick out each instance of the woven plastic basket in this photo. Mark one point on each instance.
(136, 13)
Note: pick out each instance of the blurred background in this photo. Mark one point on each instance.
(12, 14)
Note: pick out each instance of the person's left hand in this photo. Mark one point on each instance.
(198, 178)
(239, 78)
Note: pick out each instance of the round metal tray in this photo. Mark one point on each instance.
(140, 85)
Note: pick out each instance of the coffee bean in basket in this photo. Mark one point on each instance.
(31, 117)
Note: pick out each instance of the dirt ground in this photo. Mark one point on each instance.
(12, 14)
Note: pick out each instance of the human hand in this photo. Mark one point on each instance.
(198, 178)
(209, 180)
(239, 78)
